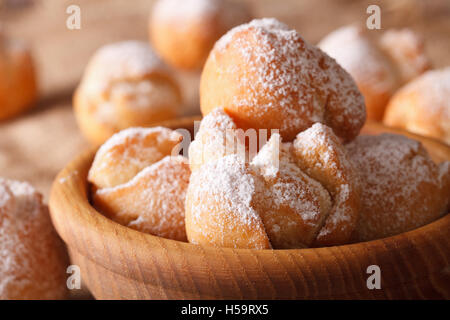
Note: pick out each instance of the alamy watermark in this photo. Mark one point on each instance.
(73, 22)
(374, 20)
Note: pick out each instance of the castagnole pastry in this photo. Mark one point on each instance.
(183, 32)
(423, 106)
(278, 199)
(378, 65)
(33, 259)
(124, 85)
(18, 88)
(266, 76)
(139, 180)
(401, 187)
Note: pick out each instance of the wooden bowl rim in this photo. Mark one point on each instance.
(70, 177)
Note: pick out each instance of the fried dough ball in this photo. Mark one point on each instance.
(221, 206)
(217, 137)
(33, 259)
(320, 154)
(18, 87)
(124, 85)
(140, 181)
(401, 187)
(266, 76)
(423, 106)
(184, 32)
(277, 200)
(378, 65)
(292, 205)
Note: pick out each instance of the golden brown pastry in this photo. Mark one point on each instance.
(33, 259)
(139, 180)
(279, 199)
(183, 32)
(401, 187)
(18, 89)
(124, 85)
(266, 76)
(423, 106)
(378, 65)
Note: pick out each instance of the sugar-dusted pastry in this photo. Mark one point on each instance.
(378, 65)
(18, 88)
(276, 199)
(183, 32)
(266, 76)
(423, 106)
(124, 85)
(217, 136)
(319, 153)
(401, 187)
(33, 259)
(139, 180)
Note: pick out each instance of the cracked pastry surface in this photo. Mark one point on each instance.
(275, 199)
(138, 181)
(33, 259)
(266, 76)
(124, 85)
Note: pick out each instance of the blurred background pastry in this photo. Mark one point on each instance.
(125, 84)
(423, 106)
(183, 32)
(18, 84)
(380, 64)
(33, 259)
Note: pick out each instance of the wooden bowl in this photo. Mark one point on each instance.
(117, 262)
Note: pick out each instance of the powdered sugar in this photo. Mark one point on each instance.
(32, 263)
(162, 134)
(320, 154)
(267, 161)
(361, 57)
(153, 201)
(223, 192)
(228, 180)
(278, 69)
(120, 61)
(130, 151)
(400, 185)
(406, 49)
(433, 92)
(215, 138)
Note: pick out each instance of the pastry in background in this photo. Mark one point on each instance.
(18, 88)
(139, 180)
(33, 259)
(124, 85)
(184, 32)
(379, 65)
(401, 187)
(278, 198)
(423, 106)
(266, 76)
